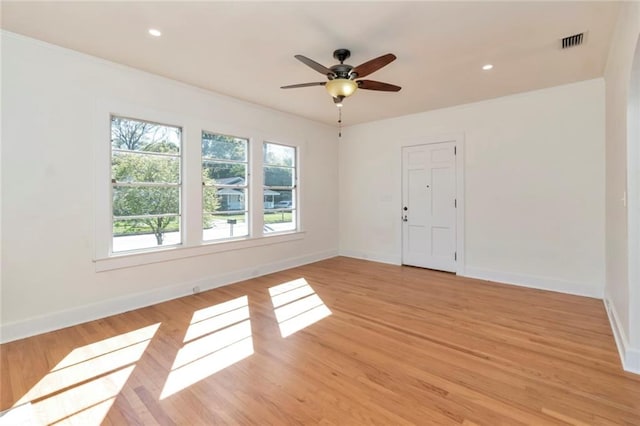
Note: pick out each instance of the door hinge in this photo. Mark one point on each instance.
(455, 149)
(455, 203)
(455, 255)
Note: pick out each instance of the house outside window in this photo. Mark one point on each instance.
(146, 184)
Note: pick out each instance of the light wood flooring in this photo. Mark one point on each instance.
(377, 344)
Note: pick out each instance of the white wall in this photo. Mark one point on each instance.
(48, 139)
(633, 190)
(534, 186)
(623, 281)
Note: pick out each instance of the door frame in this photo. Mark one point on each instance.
(458, 140)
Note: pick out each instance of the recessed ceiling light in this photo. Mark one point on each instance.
(487, 67)
(154, 32)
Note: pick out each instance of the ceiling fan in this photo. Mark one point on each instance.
(342, 81)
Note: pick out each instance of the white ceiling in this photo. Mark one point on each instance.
(246, 49)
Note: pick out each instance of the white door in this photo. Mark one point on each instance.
(429, 206)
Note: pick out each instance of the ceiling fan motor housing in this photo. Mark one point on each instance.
(341, 71)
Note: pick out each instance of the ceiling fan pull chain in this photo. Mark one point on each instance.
(339, 122)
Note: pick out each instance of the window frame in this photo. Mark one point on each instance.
(191, 200)
(294, 188)
(179, 185)
(246, 187)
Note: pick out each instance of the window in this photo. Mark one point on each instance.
(280, 178)
(224, 186)
(146, 184)
(172, 187)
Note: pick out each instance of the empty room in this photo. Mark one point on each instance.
(349, 213)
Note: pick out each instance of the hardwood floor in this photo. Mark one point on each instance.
(378, 344)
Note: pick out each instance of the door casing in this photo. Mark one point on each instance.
(458, 140)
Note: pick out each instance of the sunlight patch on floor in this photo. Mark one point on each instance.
(21, 415)
(217, 317)
(218, 337)
(85, 404)
(297, 306)
(81, 388)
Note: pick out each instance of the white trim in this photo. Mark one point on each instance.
(630, 357)
(372, 256)
(458, 140)
(633, 200)
(127, 260)
(104, 109)
(57, 320)
(460, 261)
(296, 190)
(534, 281)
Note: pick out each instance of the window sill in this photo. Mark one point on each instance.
(127, 260)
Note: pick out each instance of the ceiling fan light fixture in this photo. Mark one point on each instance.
(341, 87)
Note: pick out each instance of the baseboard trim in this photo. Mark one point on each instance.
(631, 362)
(61, 319)
(630, 357)
(374, 257)
(532, 281)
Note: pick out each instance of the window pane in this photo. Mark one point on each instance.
(278, 221)
(136, 200)
(137, 135)
(224, 173)
(143, 154)
(224, 147)
(222, 199)
(279, 204)
(135, 234)
(225, 225)
(279, 199)
(136, 167)
(279, 155)
(278, 176)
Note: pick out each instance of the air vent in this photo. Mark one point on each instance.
(573, 40)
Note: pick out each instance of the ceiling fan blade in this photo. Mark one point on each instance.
(313, 64)
(294, 86)
(373, 65)
(377, 85)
